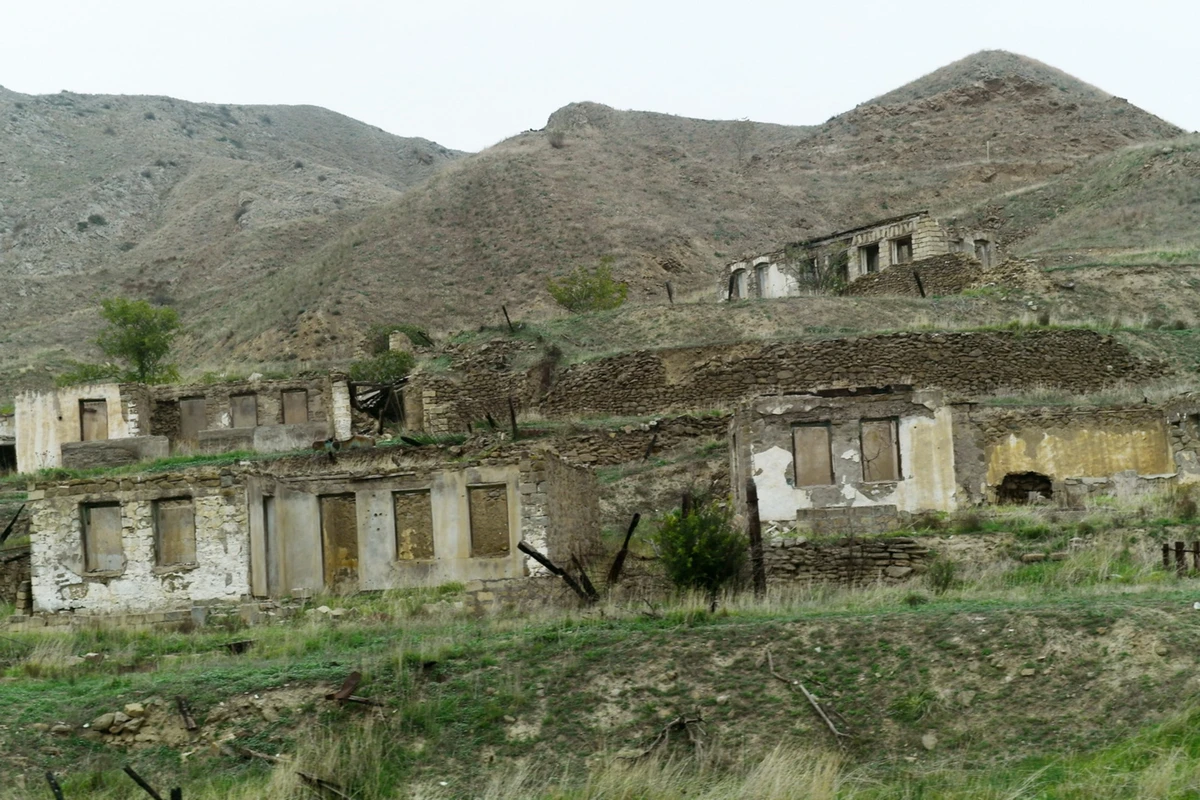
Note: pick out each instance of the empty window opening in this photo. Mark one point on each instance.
(762, 279)
(174, 532)
(8, 458)
(102, 551)
(1021, 488)
(737, 284)
(243, 410)
(93, 420)
(880, 450)
(339, 540)
(489, 520)
(273, 551)
(812, 454)
(983, 252)
(414, 525)
(870, 258)
(193, 418)
(902, 250)
(295, 407)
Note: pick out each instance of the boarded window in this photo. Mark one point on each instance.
(93, 420)
(870, 258)
(193, 418)
(902, 250)
(175, 532)
(244, 410)
(295, 407)
(339, 540)
(814, 461)
(489, 519)
(880, 450)
(102, 538)
(414, 525)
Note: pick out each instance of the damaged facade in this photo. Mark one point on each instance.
(297, 526)
(112, 424)
(829, 263)
(850, 462)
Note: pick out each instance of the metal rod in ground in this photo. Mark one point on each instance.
(920, 286)
(54, 787)
(670, 293)
(506, 319)
(147, 788)
(614, 572)
(1180, 561)
(1166, 550)
(512, 418)
(754, 526)
(556, 570)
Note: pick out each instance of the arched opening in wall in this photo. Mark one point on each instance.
(737, 285)
(1020, 488)
(8, 458)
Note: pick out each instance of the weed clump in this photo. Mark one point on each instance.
(589, 289)
(942, 575)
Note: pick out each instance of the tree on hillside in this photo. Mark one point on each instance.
(589, 289)
(137, 334)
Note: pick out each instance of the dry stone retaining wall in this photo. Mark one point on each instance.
(847, 561)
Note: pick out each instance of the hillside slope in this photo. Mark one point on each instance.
(673, 199)
(270, 260)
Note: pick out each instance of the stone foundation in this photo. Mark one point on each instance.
(850, 561)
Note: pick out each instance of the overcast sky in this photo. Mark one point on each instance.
(468, 74)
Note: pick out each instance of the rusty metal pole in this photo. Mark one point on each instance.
(754, 525)
(1180, 560)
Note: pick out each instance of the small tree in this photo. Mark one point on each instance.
(820, 271)
(589, 289)
(140, 336)
(387, 367)
(701, 549)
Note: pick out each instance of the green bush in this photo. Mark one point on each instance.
(387, 367)
(941, 575)
(702, 550)
(589, 289)
(79, 373)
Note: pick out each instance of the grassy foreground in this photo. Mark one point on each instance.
(1053, 680)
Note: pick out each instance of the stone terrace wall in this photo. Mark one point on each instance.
(846, 561)
(967, 363)
(14, 573)
(940, 275)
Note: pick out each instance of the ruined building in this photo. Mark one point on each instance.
(861, 461)
(829, 263)
(111, 424)
(300, 525)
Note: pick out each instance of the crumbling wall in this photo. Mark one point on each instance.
(1084, 451)
(14, 576)
(62, 582)
(967, 363)
(572, 510)
(946, 274)
(47, 420)
(848, 561)
(268, 395)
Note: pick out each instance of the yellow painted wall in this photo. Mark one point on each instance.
(1082, 452)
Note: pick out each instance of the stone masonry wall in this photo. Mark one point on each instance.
(62, 582)
(966, 363)
(847, 561)
(941, 275)
(14, 572)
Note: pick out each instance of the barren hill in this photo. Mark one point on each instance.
(270, 260)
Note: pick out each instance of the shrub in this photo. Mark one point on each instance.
(557, 139)
(968, 522)
(97, 219)
(912, 707)
(141, 335)
(79, 373)
(928, 521)
(149, 115)
(589, 289)
(1182, 502)
(387, 367)
(941, 575)
(701, 550)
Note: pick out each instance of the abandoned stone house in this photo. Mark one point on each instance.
(835, 260)
(111, 424)
(298, 525)
(860, 461)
